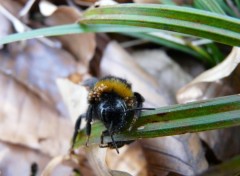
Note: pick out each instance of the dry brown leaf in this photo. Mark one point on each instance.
(179, 155)
(165, 70)
(130, 159)
(96, 158)
(116, 61)
(38, 66)
(186, 152)
(81, 46)
(29, 121)
(18, 160)
(219, 140)
(210, 84)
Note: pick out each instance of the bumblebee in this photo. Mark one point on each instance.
(112, 101)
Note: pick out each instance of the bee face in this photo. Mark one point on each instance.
(112, 111)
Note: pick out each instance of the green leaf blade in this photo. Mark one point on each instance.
(178, 119)
(167, 12)
(189, 21)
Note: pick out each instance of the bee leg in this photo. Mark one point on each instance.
(104, 133)
(137, 113)
(77, 129)
(88, 125)
(88, 131)
(140, 100)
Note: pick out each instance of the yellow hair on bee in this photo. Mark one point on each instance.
(115, 85)
(112, 84)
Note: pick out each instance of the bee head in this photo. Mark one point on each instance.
(112, 112)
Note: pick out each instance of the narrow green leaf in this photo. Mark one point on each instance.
(177, 119)
(171, 44)
(185, 20)
(71, 29)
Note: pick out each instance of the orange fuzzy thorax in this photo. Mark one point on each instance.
(108, 86)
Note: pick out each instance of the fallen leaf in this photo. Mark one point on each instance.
(19, 160)
(29, 121)
(96, 158)
(116, 61)
(165, 70)
(219, 140)
(130, 159)
(81, 46)
(38, 66)
(210, 83)
(182, 155)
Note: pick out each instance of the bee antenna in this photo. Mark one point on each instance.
(138, 109)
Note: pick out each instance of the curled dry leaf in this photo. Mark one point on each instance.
(37, 66)
(210, 84)
(19, 160)
(29, 121)
(81, 46)
(221, 80)
(186, 153)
